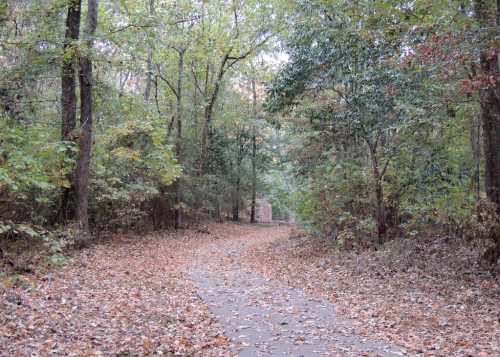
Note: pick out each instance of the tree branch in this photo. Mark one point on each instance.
(196, 82)
(244, 55)
(172, 88)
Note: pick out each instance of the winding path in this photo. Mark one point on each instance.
(263, 317)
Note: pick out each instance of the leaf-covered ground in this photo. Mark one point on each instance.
(125, 296)
(137, 296)
(264, 317)
(429, 313)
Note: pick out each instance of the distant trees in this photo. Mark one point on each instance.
(229, 59)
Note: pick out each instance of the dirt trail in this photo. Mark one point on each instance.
(263, 317)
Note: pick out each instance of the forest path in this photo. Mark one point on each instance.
(263, 317)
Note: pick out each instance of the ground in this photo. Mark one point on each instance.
(241, 290)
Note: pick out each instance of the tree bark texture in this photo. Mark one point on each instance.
(68, 101)
(149, 62)
(85, 137)
(489, 99)
(254, 155)
(178, 141)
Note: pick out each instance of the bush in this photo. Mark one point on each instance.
(337, 203)
(132, 164)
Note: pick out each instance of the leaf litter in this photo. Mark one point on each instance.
(132, 296)
(263, 317)
(426, 312)
(125, 297)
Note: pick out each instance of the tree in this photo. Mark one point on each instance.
(149, 61)
(248, 34)
(254, 153)
(182, 26)
(489, 99)
(68, 97)
(241, 150)
(86, 109)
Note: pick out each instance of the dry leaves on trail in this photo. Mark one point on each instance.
(126, 296)
(427, 315)
(265, 317)
(130, 296)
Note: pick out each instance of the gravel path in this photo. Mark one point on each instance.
(263, 317)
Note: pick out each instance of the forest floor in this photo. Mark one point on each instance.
(246, 290)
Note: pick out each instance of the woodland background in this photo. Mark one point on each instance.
(369, 121)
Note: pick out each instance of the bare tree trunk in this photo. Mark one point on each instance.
(68, 99)
(475, 139)
(254, 179)
(86, 106)
(178, 141)
(209, 109)
(381, 223)
(489, 99)
(237, 191)
(204, 142)
(228, 60)
(149, 63)
(254, 155)
(379, 193)
(236, 203)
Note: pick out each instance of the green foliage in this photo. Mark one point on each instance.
(373, 103)
(56, 260)
(11, 230)
(137, 149)
(131, 162)
(374, 106)
(148, 110)
(32, 169)
(336, 198)
(278, 190)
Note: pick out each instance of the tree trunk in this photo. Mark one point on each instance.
(206, 130)
(149, 62)
(227, 62)
(381, 223)
(254, 179)
(475, 140)
(178, 141)
(204, 142)
(379, 194)
(68, 100)
(236, 203)
(149, 76)
(489, 98)
(254, 155)
(237, 191)
(209, 108)
(83, 162)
